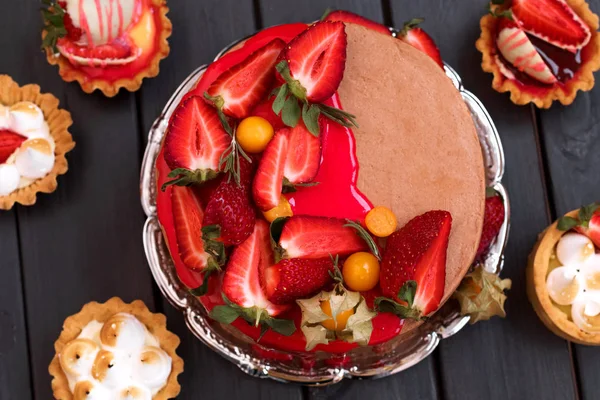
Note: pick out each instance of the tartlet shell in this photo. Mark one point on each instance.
(537, 271)
(58, 121)
(566, 93)
(155, 323)
(110, 89)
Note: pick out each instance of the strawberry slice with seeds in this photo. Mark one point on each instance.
(9, 142)
(240, 88)
(349, 17)
(241, 283)
(413, 269)
(553, 21)
(317, 59)
(492, 222)
(587, 222)
(268, 181)
(420, 40)
(195, 142)
(592, 230)
(304, 157)
(296, 278)
(317, 237)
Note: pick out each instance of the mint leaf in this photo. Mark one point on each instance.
(567, 223)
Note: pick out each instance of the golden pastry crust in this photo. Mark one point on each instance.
(537, 271)
(110, 89)
(584, 80)
(58, 121)
(155, 323)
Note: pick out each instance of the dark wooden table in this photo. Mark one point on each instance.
(84, 242)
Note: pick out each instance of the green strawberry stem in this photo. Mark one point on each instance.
(584, 216)
(186, 177)
(407, 295)
(210, 269)
(54, 25)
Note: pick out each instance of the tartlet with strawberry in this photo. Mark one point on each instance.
(106, 44)
(540, 50)
(306, 203)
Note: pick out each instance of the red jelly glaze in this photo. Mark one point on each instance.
(337, 175)
(112, 73)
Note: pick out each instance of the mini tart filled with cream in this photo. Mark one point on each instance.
(563, 281)
(115, 350)
(535, 58)
(106, 44)
(34, 139)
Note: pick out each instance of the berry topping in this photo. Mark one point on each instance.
(552, 21)
(517, 49)
(349, 17)
(361, 271)
(413, 269)
(283, 209)
(195, 142)
(253, 134)
(492, 222)
(316, 59)
(296, 278)
(230, 209)
(239, 89)
(381, 221)
(587, 222)
(420, 40)
(304, 155)
(73, 33)
(317, 237)
(341, 318)
(9, 142)
(268, 181)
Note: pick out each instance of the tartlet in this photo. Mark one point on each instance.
(51, 138)
(89, 54)
(557, 70)
(549, 289)
(86, 341)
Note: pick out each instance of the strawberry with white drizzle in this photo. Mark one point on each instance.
(516, 48)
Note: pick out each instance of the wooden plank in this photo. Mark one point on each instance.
(420, 381)
(83, 242)
(14, 358)
(571, 138)
(201, 30)
(517, 357)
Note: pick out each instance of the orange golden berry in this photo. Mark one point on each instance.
(283, 209)
(254, 134)
(361, 271)
(381, 221)
(340, 321)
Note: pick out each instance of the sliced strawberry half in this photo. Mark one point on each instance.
(317, 59)
(265, 110)
(317, 237)
(587, 222)
(304, 155)
(553, 21)
(492, 222)
(241, 283)
(195, 142)
(239, 89)
(413, 268)
(187, 219)
(268, 181)
(349, 17)
(420, 40)
(9, 142)
(296, 278)
(592, 230)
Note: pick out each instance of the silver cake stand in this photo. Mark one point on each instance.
(317, 368)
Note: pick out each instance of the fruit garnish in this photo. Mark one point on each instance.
(364, 235)
(9, 142)
(481, 295)
(242, 291)
(296, 278)
(187, 219)
(381, 221)
(552, 21)
(312, 68)
(492, 222)
(315, 237)
(265, 110)
(268, 181)
(304, 155)
(361, 271)
(586, 223)
(54, 24)
(413, 268)
(240, 88)
(283, 209)
(349, 17)
(253, 134)
(516, 48)
(339, 314)
(229, 208)
(194, 144)
(420, 40)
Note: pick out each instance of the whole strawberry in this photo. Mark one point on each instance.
(492, 222)
(296, 278)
